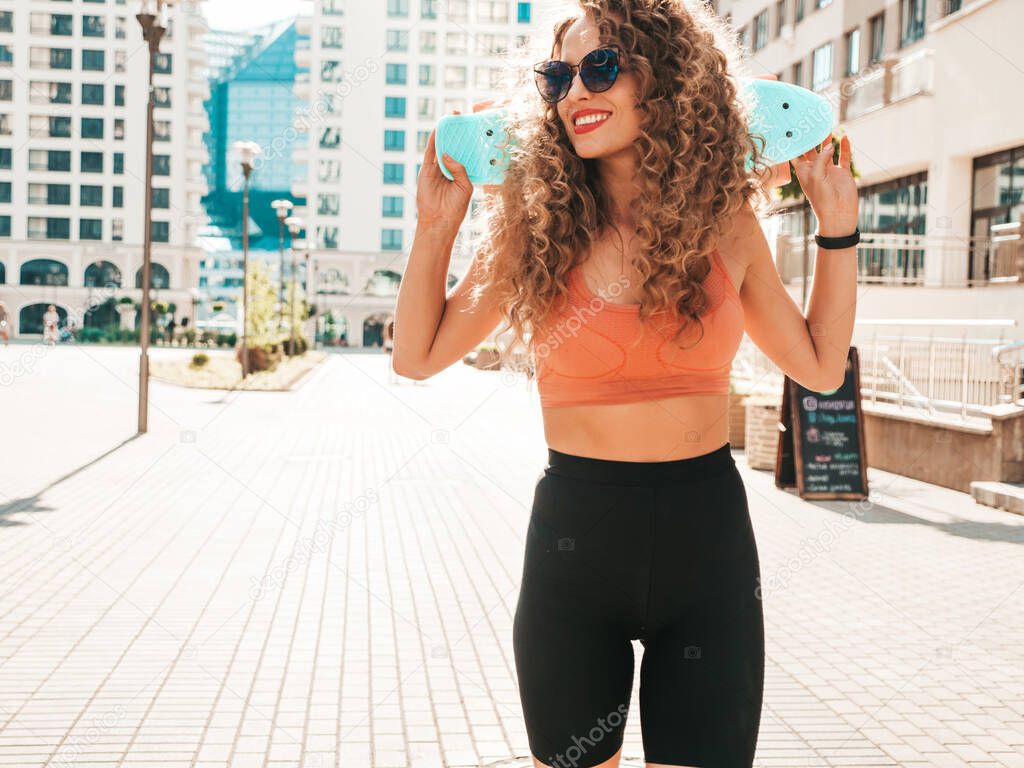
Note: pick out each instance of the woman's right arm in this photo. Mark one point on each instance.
(433, 330)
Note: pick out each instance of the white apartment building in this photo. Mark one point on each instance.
(926, 91)
(73, 93)
(381, 73)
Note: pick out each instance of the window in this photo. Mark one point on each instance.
(391, 239)
(50, 58)
(49, 160)
(456, 43)
(161, 197)
(90, 229)
(394, 141)
(428, 9)
(92, 93)
(523, 13)
(911, 21)
(488, 78)
(6, 90)
(119, 60)
(425, 109)
(117, 229)
(877, 37)
(427, 76)
(163, 64)
(5, 158)
(93, 26)
(90, 194)
(93, 61)
(454, 77)
(393, 207)
(161, 231)
(328, 204)
(395, 74)
(161, 165)
(491, 45)
(330, 136)
(118, 95)
(92, 127)
(117, 195)
(394, 173)
(398, 8)
(492, 11)
(428, 41)
(853, 52)
(5, 125)
(745, 38)
(799, 10)
(60, 24)
(49, 194)
(92, 162)
(118, 128)
(397, 40)
(458, 10)
(394, 106)
(330, 71)
(822, 3)
(161, 130)
(798, 73)
(331, 37)
(761, 30)
(780, 16)
(333, 7)
(5, 191)
(821, 67)
(6, 21)
(55, 126)
(119, 162)
(422, 137)
(948, 7)
(50, 228)
(6, 54)
(119, 28)
(897, 206)
(5, 226)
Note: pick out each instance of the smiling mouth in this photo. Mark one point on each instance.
(591, 119)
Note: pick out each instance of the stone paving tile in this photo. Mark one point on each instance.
(328, 577)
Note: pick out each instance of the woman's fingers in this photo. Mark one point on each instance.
(844, 152)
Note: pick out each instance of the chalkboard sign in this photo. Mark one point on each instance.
(821, 439)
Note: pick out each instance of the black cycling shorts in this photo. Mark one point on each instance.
(663, 552)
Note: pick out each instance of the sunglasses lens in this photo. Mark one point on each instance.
(599, 69)
(553, 78)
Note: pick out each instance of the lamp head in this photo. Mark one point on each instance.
(294, 224)
(282, 207)
(247, 152)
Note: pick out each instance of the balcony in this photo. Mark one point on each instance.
(304, 25)
(302, 57)
(888, 82)
(301, 87)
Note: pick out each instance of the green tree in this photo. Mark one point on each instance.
(262, 306)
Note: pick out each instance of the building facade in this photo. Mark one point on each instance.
(923, 89)
(380, 75)
(73, 94)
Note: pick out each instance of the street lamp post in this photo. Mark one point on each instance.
(282, 208)
(247, 152)
(151, 19)
(294, 224)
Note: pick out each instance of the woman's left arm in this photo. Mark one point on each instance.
(811, 348)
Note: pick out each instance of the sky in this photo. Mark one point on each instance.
(247, 14)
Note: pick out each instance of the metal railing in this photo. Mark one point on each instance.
(896, 259)
(933, 373)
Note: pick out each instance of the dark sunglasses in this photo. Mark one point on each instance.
(598, 71)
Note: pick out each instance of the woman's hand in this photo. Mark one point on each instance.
(829, 187)
(440, 201)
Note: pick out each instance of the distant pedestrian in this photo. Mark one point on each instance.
(50, 321)
(5, 328)
(171, 325)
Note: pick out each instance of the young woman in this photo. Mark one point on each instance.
(624, 252)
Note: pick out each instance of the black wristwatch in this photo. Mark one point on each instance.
(836, 243)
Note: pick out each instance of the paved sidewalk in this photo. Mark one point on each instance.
(328, 577)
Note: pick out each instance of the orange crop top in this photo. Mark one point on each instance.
(596, 352)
